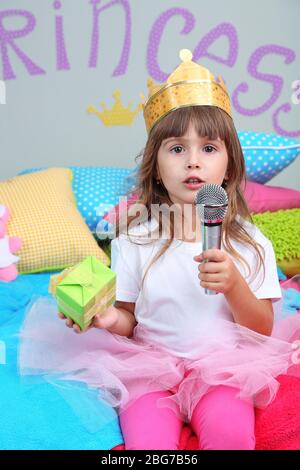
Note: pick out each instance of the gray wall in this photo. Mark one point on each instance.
(45, 121)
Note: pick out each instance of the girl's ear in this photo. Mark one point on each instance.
(156, 174)
(225, 181)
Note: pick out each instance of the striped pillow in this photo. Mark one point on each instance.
(43, 214)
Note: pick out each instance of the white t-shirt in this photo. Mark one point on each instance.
(171, 308)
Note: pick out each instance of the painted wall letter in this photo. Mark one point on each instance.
(62, 62)
(155, 39)
(7, 39)
(223, 29)
(122, 65)
(275, 80)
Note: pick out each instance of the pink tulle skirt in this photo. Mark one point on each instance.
(122, 369)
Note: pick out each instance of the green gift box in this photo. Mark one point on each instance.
(89, 288)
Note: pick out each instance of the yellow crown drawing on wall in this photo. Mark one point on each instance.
(190, 84)
(118, 115)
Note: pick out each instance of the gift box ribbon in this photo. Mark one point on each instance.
(85, 278)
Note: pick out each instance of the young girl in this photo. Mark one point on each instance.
(166, 352)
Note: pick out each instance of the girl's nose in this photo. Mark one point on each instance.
(193, 165)
(192, 160)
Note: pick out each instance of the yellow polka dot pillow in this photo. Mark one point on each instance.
(43, 214)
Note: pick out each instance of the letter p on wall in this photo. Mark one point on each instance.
(2, 92)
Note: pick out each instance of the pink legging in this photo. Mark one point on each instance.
(220, 420)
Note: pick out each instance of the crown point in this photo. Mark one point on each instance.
(117, 94)
(185, 55)
(150, 82)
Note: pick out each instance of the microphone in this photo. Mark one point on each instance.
(212, 203)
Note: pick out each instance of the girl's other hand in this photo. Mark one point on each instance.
(104, 321)
(70, 323)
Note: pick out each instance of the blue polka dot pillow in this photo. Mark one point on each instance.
(97, 190)
(267, 154)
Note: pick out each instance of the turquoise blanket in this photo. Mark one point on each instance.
(35, 415)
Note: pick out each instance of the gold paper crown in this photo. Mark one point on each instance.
(190, 84)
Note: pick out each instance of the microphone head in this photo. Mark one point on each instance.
(212, 203)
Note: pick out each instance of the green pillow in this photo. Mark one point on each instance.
(283, 229)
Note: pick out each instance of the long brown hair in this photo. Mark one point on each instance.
(211, 122)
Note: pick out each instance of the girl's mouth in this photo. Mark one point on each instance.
(193, 183)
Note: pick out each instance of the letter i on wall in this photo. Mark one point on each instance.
(62, 62)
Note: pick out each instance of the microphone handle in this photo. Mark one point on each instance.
(211, 238)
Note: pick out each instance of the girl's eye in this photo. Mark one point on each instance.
(177, 149)
(209, 149)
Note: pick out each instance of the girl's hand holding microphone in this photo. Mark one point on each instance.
(219, 273)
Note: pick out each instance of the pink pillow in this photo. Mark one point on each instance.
(113, 215)
(262, 198)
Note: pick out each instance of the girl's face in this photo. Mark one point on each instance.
(186, 163)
